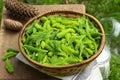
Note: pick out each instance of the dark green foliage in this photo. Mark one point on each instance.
(42, 2)
(114, 68)
(1, 7)
(103, 8)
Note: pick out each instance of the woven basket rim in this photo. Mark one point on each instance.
(69, 65)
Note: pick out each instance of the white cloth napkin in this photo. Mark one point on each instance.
(92, 72)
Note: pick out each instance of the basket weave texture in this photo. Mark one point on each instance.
(67, 69)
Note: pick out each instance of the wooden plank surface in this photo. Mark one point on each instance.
(10, 39)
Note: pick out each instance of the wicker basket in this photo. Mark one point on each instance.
(67, 69)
